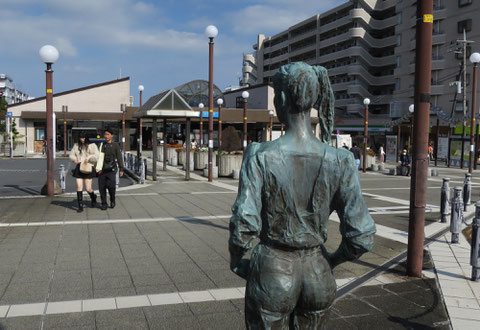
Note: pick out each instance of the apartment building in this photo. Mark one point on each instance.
(8, 90)
(368, 47)
(452, 18)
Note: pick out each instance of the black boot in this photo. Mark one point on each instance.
(93, 197)
(111, 192)
(80, 201)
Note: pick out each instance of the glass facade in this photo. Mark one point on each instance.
(196, 92)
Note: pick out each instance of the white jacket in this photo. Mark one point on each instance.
(91, 154)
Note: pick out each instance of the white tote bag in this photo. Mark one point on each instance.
(101, 157)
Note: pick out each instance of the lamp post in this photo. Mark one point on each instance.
(475, 59)
(219, 102)
(418, 183)
(366, 102)
(271, 123)
(201, 123)
(245, 96)
(411, 110)
(211, 32)
(49, 55)
(140, 124)
(123, 107)
(65, 139)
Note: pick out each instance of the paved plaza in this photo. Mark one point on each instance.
(26, 177)
(160, 259)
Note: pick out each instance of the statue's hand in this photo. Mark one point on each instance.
(239, 266)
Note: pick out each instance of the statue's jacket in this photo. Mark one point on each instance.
(285, 198)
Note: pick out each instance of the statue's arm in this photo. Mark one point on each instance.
(245, 223)
(356, 225)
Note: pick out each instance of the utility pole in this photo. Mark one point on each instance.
(464, 43)
(418, 185)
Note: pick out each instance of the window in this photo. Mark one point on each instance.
(399, 39)
(462, 3)
(398, 61)
(464, 25)
(397, 84)
(399, 18)
(239, 102)
(39, 134)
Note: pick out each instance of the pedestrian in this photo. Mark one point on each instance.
(112, 162)
(44, 145)
(405, 163)
(430, 152)
(382, 154)
(84, 154)
(194, 144)
(356, 154)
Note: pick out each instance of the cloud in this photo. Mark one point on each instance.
(69, 23)
(274, 16)
(79, 68)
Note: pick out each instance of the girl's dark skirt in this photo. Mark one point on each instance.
(79, 175)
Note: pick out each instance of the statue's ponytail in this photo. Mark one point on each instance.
(325, 104)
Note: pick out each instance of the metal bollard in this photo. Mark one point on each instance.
(456, 217)
(475, 251)
(445, 200)
(142, 172)
(467, 191)
(62, 178)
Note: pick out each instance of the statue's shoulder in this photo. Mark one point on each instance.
(341, 155)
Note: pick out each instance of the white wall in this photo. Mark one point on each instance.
(105, 98)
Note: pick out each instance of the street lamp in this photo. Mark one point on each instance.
(140, 124)
(123, 108)
(201, 123)
(366, 102)
(211, 32)
(219, 102)
(49, 55)
(411, 110)
(64, 111)
(271, 123)
(475, 59)
(245, 96)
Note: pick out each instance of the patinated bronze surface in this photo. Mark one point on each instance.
(288, 189)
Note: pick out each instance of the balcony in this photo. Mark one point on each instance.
(303, 35)
(362, 14)
(303, 49)
(249, 57)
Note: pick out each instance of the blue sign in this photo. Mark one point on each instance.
(9, 114)
(205, 114)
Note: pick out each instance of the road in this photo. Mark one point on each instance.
(24, 177)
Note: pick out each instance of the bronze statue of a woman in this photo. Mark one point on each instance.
(288, 188)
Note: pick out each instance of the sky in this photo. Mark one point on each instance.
(157, 43)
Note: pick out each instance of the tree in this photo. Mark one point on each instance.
(3, 112)
(230, 140)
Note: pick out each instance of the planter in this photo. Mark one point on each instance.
(191, 161)
(182, 156)
(370, 161)
(229, 163)
(172, 157)
(160, 153)
(214, 172)
(200, 160)
(171, 152)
